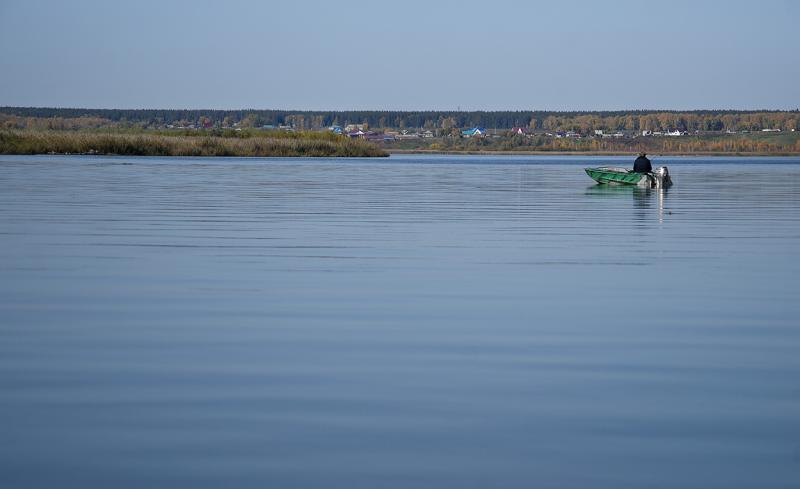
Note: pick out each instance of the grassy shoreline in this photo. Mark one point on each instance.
(259, 143)
(202, 144)
(585, 153)
(761, 144)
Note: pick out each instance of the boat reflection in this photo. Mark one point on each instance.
(643, 198)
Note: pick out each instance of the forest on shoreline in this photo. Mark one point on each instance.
(439, 121)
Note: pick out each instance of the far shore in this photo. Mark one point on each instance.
(258, 143)
(421, 152)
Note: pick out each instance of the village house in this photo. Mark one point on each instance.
(475, 132)
(407, 135)
(376, 137)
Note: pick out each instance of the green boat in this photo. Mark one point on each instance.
(622, 176)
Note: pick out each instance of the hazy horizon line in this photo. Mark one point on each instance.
(459, 109)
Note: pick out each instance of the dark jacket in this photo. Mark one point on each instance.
(642, 165)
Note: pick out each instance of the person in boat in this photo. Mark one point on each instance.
(642, 164)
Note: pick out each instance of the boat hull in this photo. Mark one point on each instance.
(618, 176)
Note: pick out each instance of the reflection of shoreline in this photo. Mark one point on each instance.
(582, 153)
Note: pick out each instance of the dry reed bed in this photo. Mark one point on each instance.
(43, 142)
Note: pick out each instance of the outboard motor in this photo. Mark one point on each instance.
(661, 177)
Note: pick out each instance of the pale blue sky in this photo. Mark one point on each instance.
(408, 55)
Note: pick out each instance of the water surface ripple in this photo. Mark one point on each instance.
(416, 322)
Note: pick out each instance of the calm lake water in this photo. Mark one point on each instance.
(411, 322)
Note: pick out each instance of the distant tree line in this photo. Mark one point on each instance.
(757, 143)
(584, 122)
